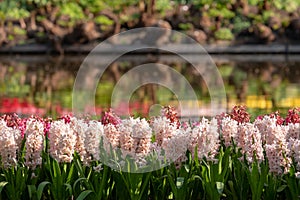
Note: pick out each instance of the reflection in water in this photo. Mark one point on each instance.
(43, 85)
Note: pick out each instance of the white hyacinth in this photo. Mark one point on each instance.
(34, 142)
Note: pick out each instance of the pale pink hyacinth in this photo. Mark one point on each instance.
(176, 145)
(79, 127)
(276, 147)
(163, 128)
(8, 144)
(293, 139)
(171, 140)
(294, 147)
(293, 131)
(93, 135)
(279, 163)
(248, 139)
(62, 141)
(34, 142)
(205, 137)
(135, 138)
(229, 130)
(111, 137)
(142, 134)
(261, 123)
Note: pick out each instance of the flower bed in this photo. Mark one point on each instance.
(161, 158)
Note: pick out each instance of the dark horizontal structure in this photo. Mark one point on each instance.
(182, 48)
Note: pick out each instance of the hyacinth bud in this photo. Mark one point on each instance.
(171, 114)
(293, 116)
(240, 114)
(66, 118)
(110, 118)
(14, 121)
(276, 115)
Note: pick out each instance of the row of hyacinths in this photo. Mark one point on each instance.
(269, 137)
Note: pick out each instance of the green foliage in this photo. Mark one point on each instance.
(11, 84)
(266, 15)
(73, 11)
(103, 20)
(287, 5)
(93, 6)
(163, 5)
(17, 13)
(224, 34)
(254, 2)
(240, 24)
(223, 12)
(186, 26)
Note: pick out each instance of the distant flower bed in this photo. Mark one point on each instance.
(160, 158)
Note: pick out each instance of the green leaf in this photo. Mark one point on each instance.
(2, 185)
(77, 181)
(31, 191)
(84, 194)
(68, 188)
(70, 173)
(40, 189)
(281, 188)
(173, 186)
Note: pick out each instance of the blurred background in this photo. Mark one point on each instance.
(43, 43)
